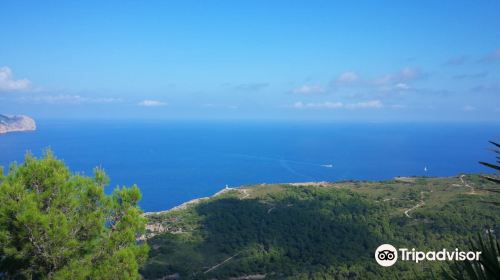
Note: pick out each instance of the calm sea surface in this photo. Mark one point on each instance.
(173, 162)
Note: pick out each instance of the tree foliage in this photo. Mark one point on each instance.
(59, 225)
(493, 166)
(488, 266)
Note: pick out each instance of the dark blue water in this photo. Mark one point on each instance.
(175, 162)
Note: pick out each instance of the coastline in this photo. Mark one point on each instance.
(16, 130)
(191, 202)
(184, 205)
(240, 188)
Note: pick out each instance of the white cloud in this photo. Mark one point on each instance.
(405, 75)
(327, 105)
(371, 104)
(348, 77)
(151, 103)
(8, 83)
(309, 89)
(402, 86)
(365, 105)
(67, 99)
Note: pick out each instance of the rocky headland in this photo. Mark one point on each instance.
(16, 123)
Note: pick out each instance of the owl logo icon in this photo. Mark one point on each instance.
(386, 255)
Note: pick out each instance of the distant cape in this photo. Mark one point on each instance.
(16, 123)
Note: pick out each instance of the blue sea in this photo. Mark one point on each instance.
(173, 162)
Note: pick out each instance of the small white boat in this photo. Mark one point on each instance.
(327, 165)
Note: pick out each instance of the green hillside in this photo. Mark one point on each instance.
(318, 231)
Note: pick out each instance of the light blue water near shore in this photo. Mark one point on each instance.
(175, 162)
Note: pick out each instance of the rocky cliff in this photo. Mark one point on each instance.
(16, 123)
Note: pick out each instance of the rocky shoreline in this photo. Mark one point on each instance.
(190, 202)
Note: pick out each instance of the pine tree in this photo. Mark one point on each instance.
(59, 225)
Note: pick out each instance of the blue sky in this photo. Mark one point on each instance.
(283, 60)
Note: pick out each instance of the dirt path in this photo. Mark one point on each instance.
(245, 193)
(472, 190)
(221, 263)
(420, 204)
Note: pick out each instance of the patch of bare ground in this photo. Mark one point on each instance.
(472, 190)
(405, 179)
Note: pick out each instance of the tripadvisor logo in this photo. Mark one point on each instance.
(387, 255)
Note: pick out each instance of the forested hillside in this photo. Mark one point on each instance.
(313, 231)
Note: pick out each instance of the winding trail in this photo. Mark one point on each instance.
(472, 190)
(221, 263)
(420, 204)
